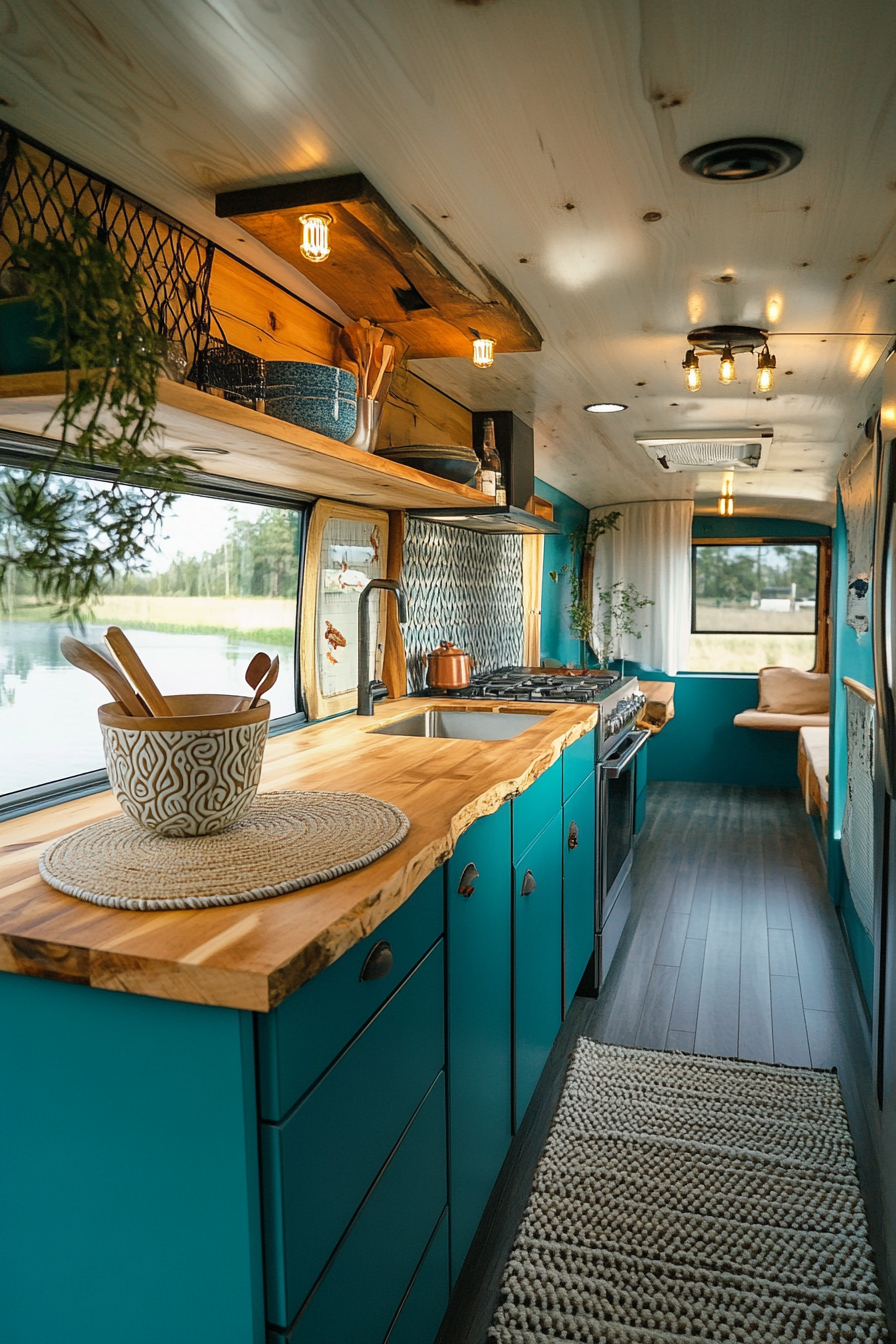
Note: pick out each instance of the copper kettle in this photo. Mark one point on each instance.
(448, 667)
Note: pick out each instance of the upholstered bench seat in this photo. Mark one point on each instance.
(781, 723)
(788, 701)
(813, 765)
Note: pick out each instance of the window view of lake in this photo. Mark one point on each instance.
(221, 586)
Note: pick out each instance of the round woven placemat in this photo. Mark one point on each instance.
(285, 842)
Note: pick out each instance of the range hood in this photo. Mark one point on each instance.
(492, 518)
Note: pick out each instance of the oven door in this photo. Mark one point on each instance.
(616, 827)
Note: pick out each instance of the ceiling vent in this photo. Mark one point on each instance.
(720, 451)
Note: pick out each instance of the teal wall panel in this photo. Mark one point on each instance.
(130, 1173)
(852, 656)
(701, 744)
(556, 639)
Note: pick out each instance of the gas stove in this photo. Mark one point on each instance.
(619, 698)
(533, 683)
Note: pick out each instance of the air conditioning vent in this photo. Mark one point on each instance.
(712, 452)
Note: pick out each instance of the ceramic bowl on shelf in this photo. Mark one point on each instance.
(195, 772)
(321, 397)
(450, 461)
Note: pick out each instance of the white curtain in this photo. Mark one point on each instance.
(650, 548)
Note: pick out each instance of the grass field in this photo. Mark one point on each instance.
(747, 653)
(266, 620)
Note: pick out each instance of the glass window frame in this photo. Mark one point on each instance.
(21, 450)
(817, 542)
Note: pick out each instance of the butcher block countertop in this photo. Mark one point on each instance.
(252, 956)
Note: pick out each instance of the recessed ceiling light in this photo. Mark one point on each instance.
(605, 407)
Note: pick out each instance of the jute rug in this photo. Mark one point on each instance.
(687, 1198)
(286, 841)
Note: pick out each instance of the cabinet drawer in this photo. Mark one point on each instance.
(427, 1297)
(319, 1164)
(533, 809)
(366, 1281)
(301, 1037)
(578, 764)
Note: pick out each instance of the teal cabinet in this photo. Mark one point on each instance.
(533, 809)
(365, 1284)
(537, 958)
(477, 933)
(130, 1172)
(321, 1161)
(301, 1037)
(424, 1304)
(578, 764)
(578, 886)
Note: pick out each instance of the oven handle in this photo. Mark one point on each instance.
(637, 740)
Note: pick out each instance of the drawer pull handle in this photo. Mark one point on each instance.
(572, 839)
(378, 962)
(467, 878)
(528, 885)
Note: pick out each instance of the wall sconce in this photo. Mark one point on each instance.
(483, 351)
(315, 244)
(765, 363)
(726, 498)
(692, 376)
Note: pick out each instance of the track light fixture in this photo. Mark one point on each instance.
(726, 498)
(726, 342)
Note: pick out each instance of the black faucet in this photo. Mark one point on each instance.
(369, 691)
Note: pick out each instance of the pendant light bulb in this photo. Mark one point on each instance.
(765, 363)
(726, 498)
(727, 371)
(315, 244)
(483, 352)
(692, 376)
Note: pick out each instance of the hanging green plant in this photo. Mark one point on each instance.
(581, 549)
(70, 534)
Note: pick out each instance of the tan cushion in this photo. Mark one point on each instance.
(781, 723)
(786, 690)
(816, 742)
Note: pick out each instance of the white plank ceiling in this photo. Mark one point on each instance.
(531, 136)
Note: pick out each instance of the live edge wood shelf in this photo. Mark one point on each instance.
(256, 447)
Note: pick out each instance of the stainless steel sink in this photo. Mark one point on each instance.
(470, 725)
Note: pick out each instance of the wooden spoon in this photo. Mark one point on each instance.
(268, 681)
(134, 666)
(257, 668)
(83, 656)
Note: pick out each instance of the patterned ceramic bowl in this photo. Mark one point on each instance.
(321, 397)
(194, 773)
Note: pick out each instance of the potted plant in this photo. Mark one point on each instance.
(68, 533)
(580, 570)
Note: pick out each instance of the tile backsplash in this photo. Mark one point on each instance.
(463, 586)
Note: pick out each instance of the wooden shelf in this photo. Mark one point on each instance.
(256, 447)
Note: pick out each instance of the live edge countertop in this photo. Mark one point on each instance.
(252, 956)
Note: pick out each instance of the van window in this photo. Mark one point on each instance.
(222, 584)
(754, 604)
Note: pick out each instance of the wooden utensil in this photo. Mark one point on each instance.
(267, 682)
(257, 668)
(83, 656)
(118, 642)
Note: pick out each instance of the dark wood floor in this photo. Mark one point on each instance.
(733, 949)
